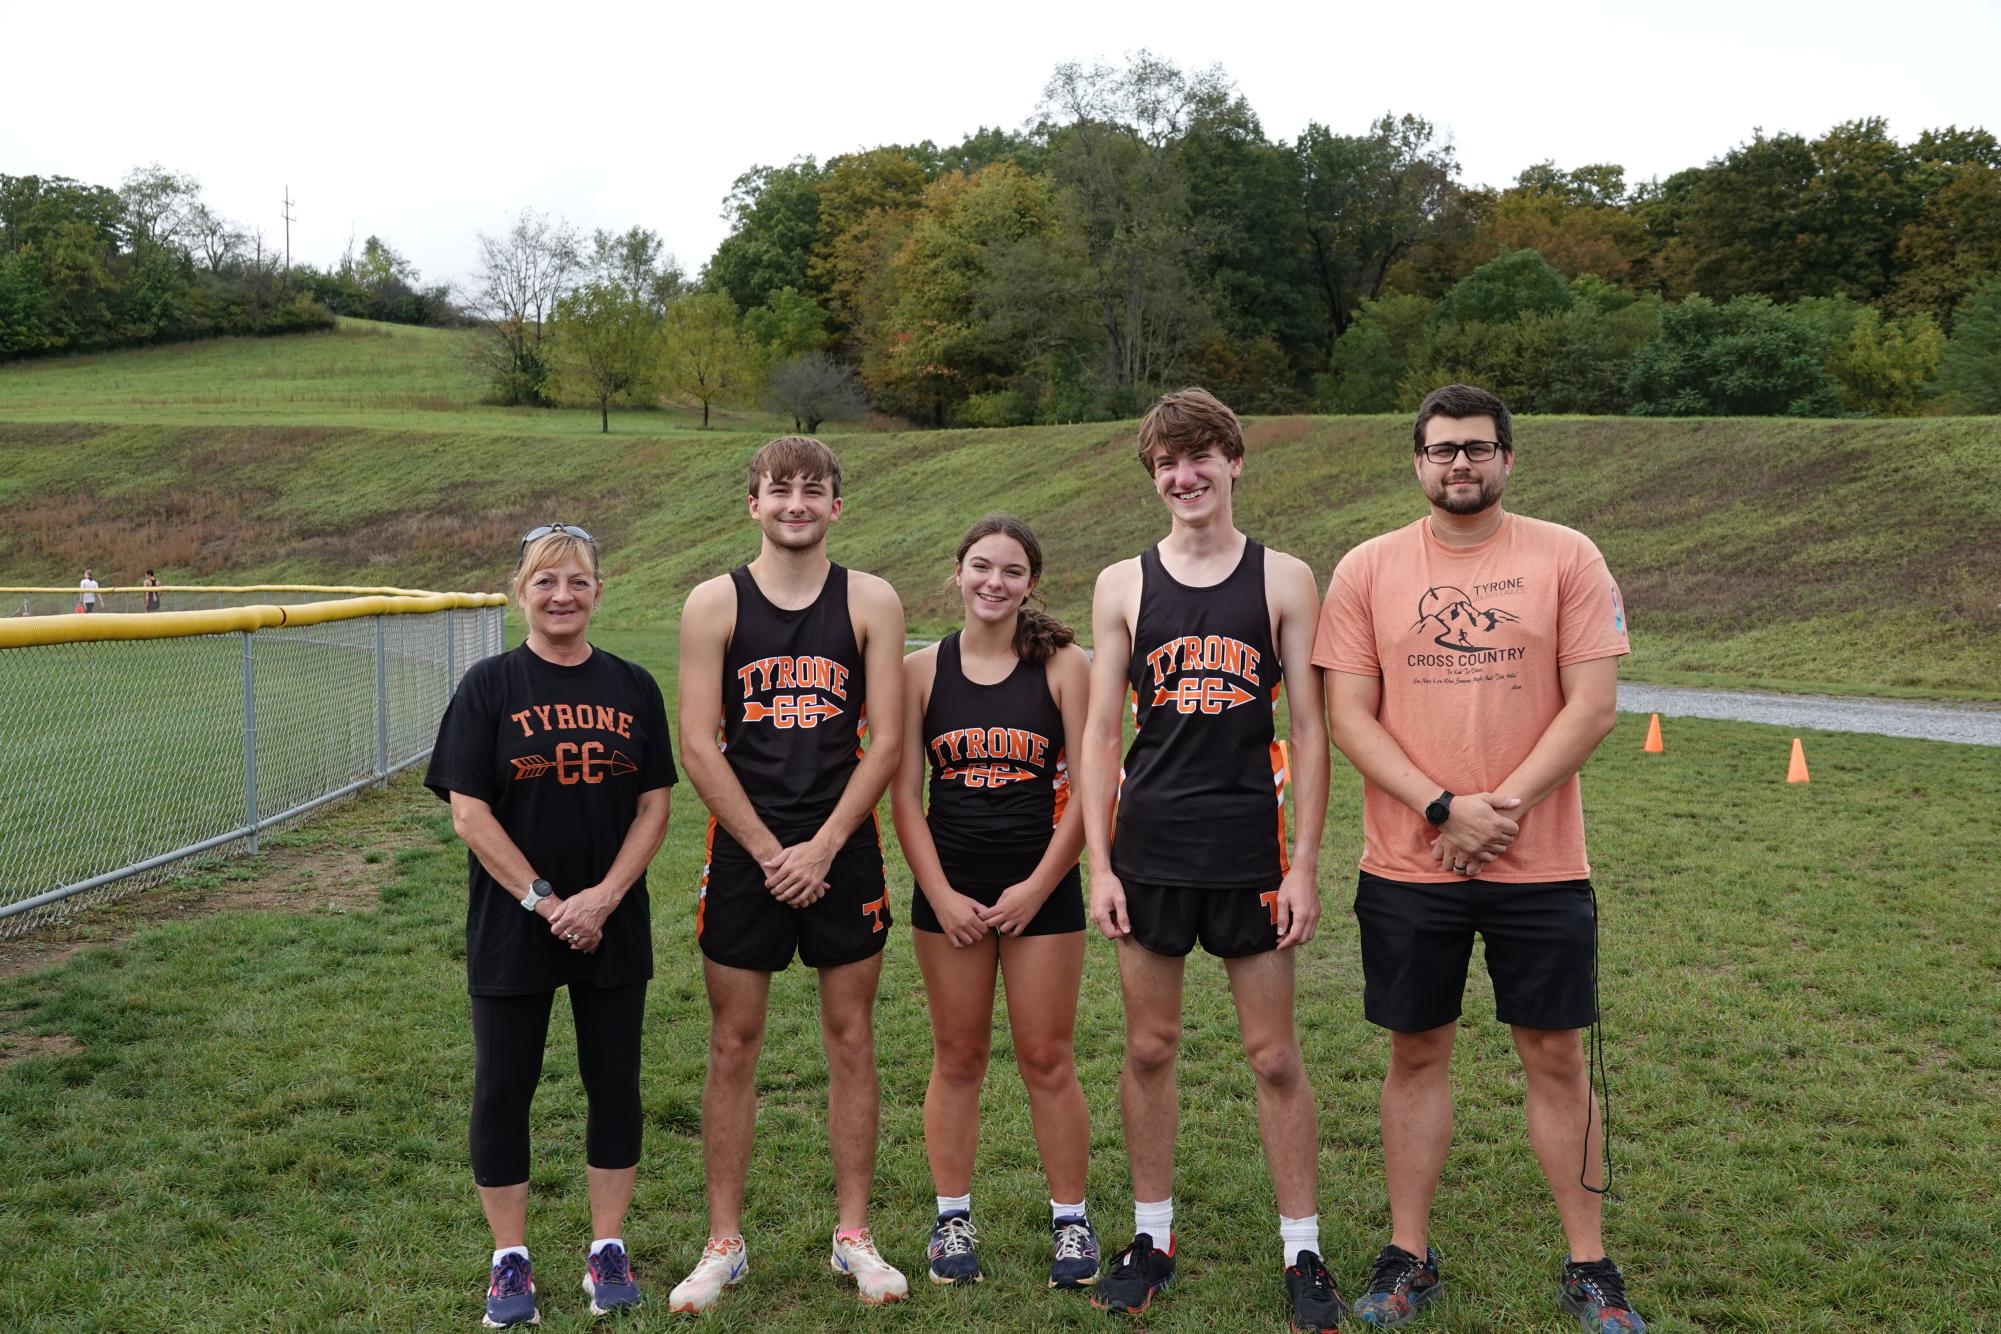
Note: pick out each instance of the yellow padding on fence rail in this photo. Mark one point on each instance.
(344, 589)
(29, 631)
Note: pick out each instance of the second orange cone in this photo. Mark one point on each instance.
(1796, 771)
(1653, 746)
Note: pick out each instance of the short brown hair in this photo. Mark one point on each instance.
(1460, 401)
(1187, 420)
(792, 455)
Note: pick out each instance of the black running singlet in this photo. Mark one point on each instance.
(999, 775)
(1202, 795)
(795, 699)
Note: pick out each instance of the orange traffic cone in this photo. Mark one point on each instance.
(1796, 771)
(1653, 746)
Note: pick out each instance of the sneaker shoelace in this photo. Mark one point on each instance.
(864, 1246)
(1071, 1241)
(1602, 1279)
(512, 1281)
(1393, 1272)
(1133, 1261)
(956, 1237)
(614, 1266)
(1319, 1283)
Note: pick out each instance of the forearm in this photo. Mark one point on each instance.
(864, 790)
(497, 852)
(716, 783)
(1097, 784)
(1559, 752)
(920, 852)
(1378, 757)
(642, 840)
(1310, 774)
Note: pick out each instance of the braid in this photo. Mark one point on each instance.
(1037, 635)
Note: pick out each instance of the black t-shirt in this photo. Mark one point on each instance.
(562, 755)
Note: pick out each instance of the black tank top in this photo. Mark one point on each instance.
(999, 775)
(1202, 796)
(794, 703)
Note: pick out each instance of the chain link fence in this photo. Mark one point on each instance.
(122, 758)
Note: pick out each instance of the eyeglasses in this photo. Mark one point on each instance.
(545, 530)
(1477, 451)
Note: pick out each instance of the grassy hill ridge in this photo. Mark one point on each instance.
(1842, 555)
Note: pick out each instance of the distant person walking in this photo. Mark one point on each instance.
(152, 585)
(1472, 667)
(88, 587)
(557, 763)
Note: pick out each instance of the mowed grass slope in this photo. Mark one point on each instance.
(1852, 556)
(263, 1123)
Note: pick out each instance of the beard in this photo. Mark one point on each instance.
(1485, 497)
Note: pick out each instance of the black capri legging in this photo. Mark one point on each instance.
(508, 1035)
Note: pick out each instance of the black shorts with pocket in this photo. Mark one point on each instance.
(740, 925)
(1417, 942)
(984, 878)
(1230, 923)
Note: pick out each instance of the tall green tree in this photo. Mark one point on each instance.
(606, 345)
(1971, 367)
(774, 217)
(1368, 200)
(1745, 357)
(703, 355)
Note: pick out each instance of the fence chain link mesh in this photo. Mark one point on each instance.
(124, 760)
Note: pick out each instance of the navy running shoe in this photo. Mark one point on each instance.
(1137, 1276)
(510, 1294)
(1595, 1292)
(1400, 1285)
(609, 1281)
(1076, 1261)
(1316, 1306)
(953, 1259)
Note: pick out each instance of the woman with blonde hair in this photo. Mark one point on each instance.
(557, 762)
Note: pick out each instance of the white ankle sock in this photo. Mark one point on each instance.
(955, 1203)
(603, 1242)
(1058, 1210)
(1299, 1234)
(1155, 1219)
(506, 1251)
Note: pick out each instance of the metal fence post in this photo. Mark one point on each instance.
(451, 659)
(381, 702)
(250, 737)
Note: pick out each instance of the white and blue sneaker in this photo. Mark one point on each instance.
(878, 1280)
(724, 1264)
(1077, 1259)
(510, 1294)
(953, 1259)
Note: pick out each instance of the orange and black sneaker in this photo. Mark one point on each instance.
(1316, 1306)
(1140, 1272)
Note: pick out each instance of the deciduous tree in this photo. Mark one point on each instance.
(702, 352)
(606, 345)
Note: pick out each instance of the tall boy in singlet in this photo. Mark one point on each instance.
(799, 660)
(1188, 844)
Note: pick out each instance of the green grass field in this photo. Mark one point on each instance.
(263, 1125)
(1846, 556)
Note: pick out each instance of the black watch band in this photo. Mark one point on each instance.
(1440, 809)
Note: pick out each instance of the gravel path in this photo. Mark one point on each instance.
(1969, 724)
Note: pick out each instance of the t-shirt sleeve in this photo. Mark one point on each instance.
(1345, 639)
(658, 770)
(462, 759)
(1591, 620)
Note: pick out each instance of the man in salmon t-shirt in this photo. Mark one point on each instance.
(1474, 660)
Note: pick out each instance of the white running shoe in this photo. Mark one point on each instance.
(878, 1279)
(724, 1264)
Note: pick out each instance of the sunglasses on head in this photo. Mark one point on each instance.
(548, 529)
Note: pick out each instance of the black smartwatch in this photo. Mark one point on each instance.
(1440, 809)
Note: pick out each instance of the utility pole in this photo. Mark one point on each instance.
(288, 235)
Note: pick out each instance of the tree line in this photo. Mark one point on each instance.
(85, 267)
(1144, 231)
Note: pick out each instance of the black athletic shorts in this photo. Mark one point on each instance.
(1230, 923)
(984, 879)
(739, 924)
(1418, 939)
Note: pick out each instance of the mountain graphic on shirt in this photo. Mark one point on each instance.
(1451, 613)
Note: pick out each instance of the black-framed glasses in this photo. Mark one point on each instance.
(1477, 451)
(536, 534)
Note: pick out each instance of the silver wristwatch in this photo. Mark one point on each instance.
(537, 891)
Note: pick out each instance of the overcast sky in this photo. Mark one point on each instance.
(426, 125)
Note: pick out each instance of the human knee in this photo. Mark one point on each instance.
(850, 1041)
(1421, 1055)
(733, 1045)
(1046, 1067)
(1152, 1051)
(1275, 1062)
(960, 1060)
(1556, 1053)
